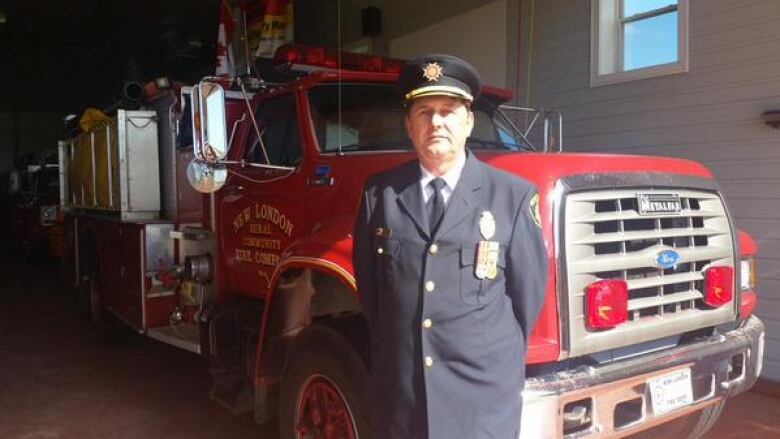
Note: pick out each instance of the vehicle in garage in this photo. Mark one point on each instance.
(35, 216)
(648, 315)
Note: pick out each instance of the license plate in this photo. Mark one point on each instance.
(671, 391)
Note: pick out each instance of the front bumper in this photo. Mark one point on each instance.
(616, 396)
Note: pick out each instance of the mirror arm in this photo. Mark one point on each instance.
(244, 164)
(235, 127)
(254, 123)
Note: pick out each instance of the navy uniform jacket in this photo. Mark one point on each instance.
(448, 349)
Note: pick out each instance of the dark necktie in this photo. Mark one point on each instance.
(435, 204)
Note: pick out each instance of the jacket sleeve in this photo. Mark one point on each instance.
(527, 266)
(363, 259)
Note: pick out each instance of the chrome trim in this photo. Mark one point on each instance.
(108, 166)
(644, 180)
(184, 336)
(545, 396)
(559, 238)
(142, 252)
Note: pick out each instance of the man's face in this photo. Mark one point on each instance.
(438, 127)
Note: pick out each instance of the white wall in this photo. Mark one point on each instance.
(478, 36)
(711, 114)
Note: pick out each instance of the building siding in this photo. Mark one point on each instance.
(711, 114)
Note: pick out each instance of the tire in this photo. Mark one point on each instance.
(692, 426)
(706, 420)
(324, 389)
(107, 328)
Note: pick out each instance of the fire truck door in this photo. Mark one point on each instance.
(261, 209)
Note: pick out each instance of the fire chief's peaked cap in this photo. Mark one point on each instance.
(439, 75)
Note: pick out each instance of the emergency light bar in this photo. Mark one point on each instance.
(308, 58)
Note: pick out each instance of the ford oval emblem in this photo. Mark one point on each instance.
(667, 259)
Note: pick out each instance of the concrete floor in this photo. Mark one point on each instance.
(58, 382)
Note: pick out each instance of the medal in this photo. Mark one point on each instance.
(486, 265)
(480, 265)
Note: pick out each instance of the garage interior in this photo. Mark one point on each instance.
(61, 381)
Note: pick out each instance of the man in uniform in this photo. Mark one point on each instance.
(451, 269)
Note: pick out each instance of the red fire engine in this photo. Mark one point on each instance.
(650, 294)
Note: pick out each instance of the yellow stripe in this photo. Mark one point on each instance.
(324, 263)
(438, 89)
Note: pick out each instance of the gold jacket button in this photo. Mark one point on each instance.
(428, 362)
(427, 323)
(430, 286)
(433, 249)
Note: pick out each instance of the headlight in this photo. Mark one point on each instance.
(747, 277)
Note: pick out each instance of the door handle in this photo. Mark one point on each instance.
(321, 181)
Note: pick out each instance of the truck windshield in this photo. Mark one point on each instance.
(372, 119)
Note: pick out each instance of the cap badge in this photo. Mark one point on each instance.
(432, 72)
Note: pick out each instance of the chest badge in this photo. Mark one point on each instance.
(486, 264)
(487, 225)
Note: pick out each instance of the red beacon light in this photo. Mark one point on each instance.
(606, 303)
(719, 286)
(308, 58)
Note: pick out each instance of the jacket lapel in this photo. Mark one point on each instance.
(464, 198)
(410, 200)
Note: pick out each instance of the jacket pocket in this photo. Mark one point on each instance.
(476, 291)
(387, 254)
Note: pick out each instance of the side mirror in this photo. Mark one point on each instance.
(209, 126)
(206, 178)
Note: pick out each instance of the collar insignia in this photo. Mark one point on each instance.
(432, 72)
(533, 209)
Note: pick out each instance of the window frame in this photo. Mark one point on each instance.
(607, 43)
(290, 96)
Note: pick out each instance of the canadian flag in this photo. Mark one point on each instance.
(226, 65)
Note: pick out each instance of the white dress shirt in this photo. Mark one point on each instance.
(451, 177)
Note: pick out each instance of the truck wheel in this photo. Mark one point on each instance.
(324, 389)
(105, 325)
(706, 420)
(692, 426)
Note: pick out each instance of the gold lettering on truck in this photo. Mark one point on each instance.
(272, 214)
(263, 243)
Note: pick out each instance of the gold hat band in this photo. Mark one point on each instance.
(439, 90)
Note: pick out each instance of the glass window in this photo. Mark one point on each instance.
(278, 122)
(352, 117)
(649, 33)
(634, 7)
(635, 39)
(370, 117)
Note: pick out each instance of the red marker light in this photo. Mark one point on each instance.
(329, 59)
(719, 286)
(607, 303)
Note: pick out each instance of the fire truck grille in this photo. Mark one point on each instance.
(619, 234)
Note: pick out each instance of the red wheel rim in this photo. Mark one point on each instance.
(322, 412)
